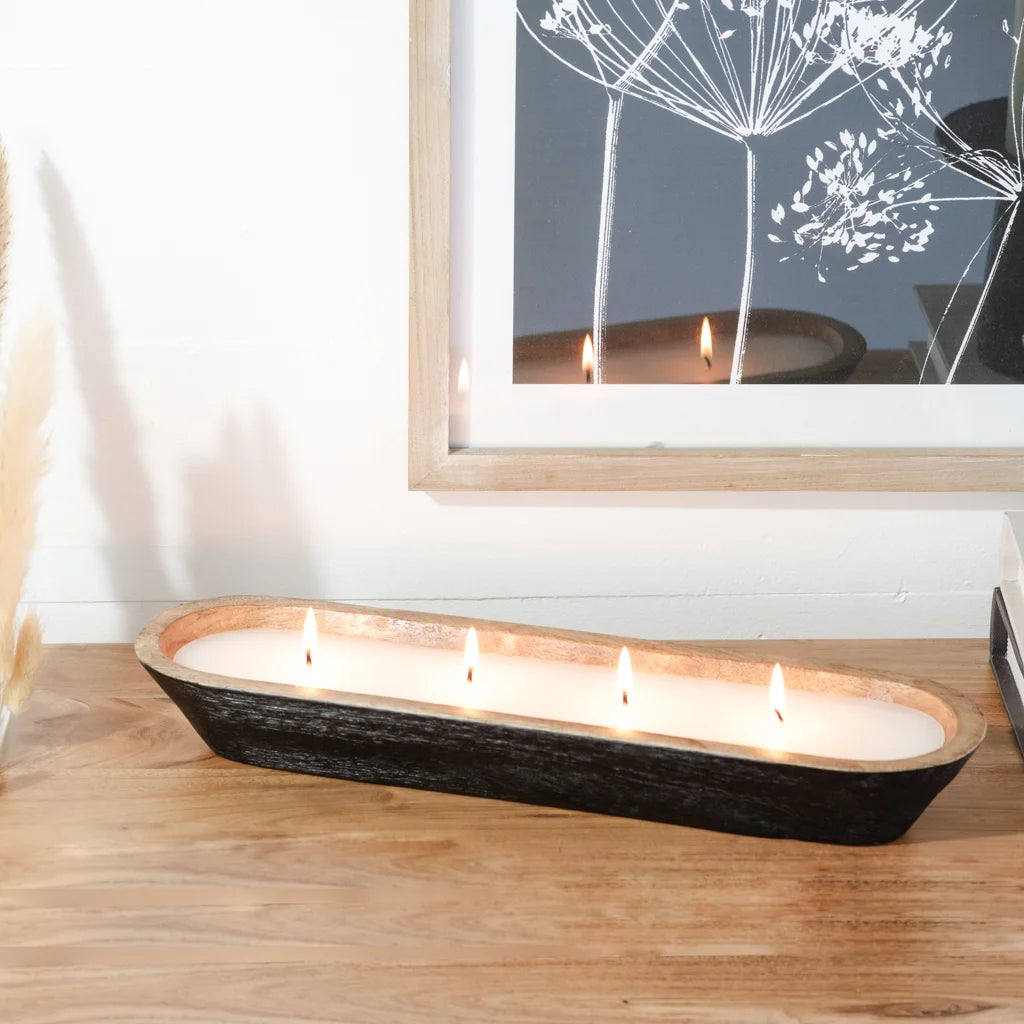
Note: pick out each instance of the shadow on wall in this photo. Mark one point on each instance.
(117, 472)
(241, 491)
(245, 491)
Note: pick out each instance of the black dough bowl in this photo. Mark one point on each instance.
(484, 754)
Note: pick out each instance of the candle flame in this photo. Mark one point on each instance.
(777, 694)
(625, 678)
(463, 384)
(707, 350)
(309, 636)
(588, 359)
(472, 654)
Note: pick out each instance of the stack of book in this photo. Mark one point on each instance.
(1007, 633)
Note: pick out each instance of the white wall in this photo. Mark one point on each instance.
(213, 194)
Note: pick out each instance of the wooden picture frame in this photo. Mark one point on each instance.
(434, 465)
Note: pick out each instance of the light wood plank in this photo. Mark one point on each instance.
(429, 235)
(145, 879)
(669, 469)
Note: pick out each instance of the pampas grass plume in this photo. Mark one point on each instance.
(26, 662)
(25, 404)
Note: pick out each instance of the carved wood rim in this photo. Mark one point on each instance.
(168, 632)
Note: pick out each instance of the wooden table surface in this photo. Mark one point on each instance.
(144, 879)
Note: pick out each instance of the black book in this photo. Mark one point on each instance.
(1007, 633)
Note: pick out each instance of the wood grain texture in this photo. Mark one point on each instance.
(557, 764)
(144, 879)
(434, 466)
(429, 235)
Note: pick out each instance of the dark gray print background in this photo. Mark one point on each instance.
(833, 184)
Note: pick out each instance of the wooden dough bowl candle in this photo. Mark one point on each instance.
(548, 717)
(783, 347)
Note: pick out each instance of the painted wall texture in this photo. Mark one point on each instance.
(212, 195)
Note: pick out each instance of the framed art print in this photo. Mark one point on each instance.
(717, 244)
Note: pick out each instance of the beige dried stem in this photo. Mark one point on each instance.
(26, 402)
(29, 385)
(27, 653)
(27, 391)
(5, 225)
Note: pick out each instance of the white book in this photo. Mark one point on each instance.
(1012, 578)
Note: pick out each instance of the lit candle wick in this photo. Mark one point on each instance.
(777, 694)
(706, 349)
(472, 655)
(625, 676)
(309, 637)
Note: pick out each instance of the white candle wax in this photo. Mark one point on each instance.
(827, 725)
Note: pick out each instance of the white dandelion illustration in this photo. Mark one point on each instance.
(860, 203)
(938, 147)
(868, 199)
(744, 69)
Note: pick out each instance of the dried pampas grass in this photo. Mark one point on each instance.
(27, 390)
(26, 402)
(5, 223)
(27, 652)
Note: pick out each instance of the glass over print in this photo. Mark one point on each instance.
(769, 191)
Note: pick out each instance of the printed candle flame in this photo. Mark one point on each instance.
(587, 360)
(744, 69)
(707, 350)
